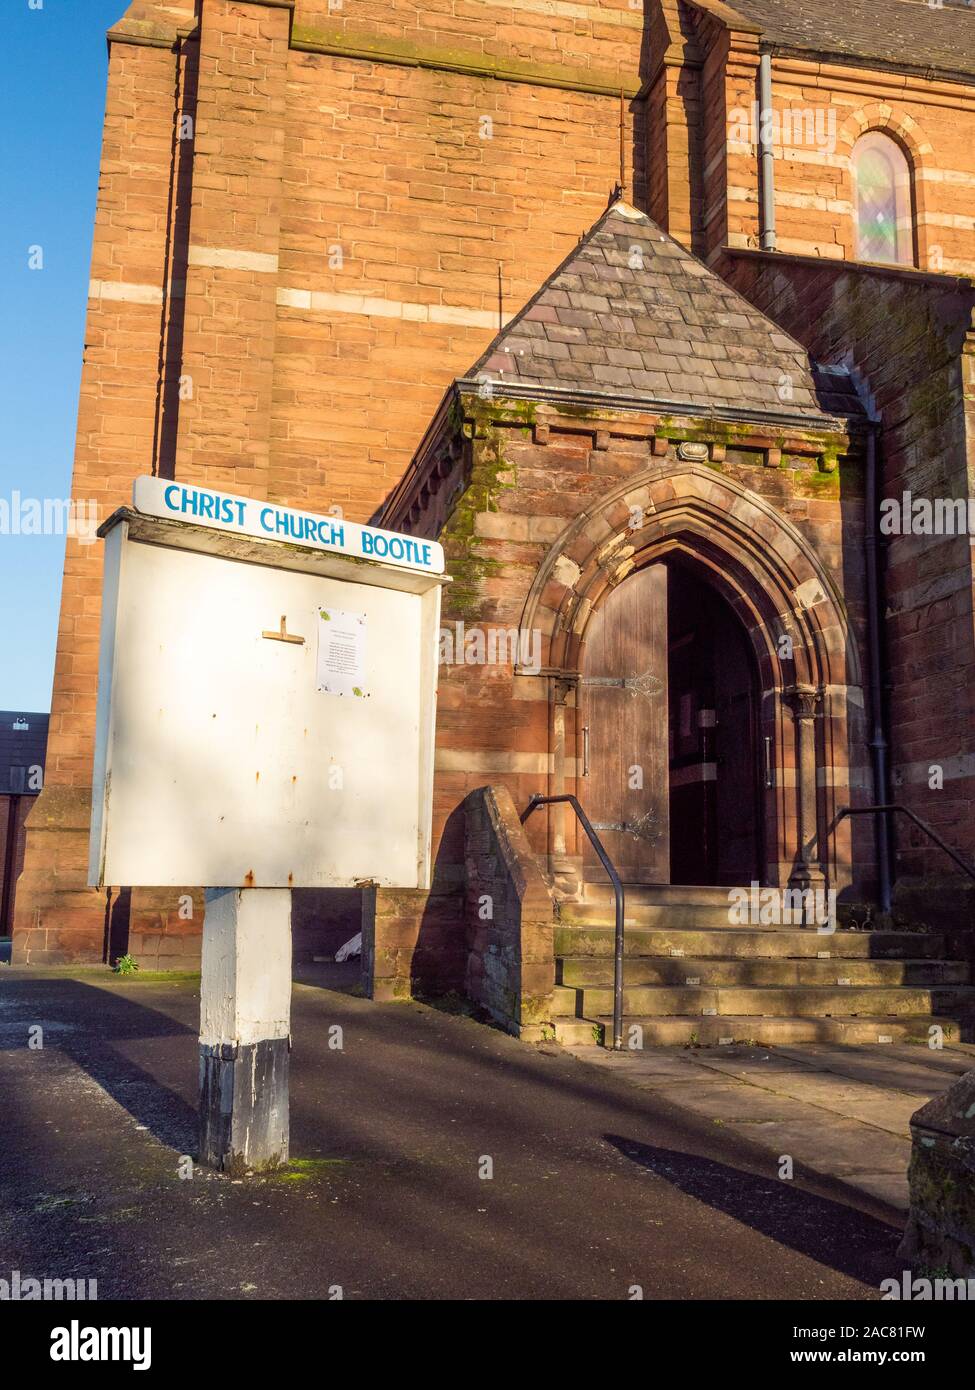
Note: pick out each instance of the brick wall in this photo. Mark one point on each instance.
(302, 213)
(821, 109)
(911, 336)
(412, 941)
(299, 228)
(530, 474)
(406, 191)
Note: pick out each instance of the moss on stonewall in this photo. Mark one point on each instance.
(936, 1189)
(829, 444)
(442, 57)
(819, 484)
(491, 474)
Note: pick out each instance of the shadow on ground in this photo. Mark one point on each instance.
(777, 1209)
(594, 1184)
(88, 1024)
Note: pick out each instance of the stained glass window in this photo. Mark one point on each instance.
(884, 218)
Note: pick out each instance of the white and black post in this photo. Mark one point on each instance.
(245, 1028)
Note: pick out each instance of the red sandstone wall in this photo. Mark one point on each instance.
(224, 339)
(933, 121)
(278, 370)
(911, 336)
(524, 486)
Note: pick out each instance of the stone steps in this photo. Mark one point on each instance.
(665, 1031)
(746, 942)
(658, 893)
(693, 976)
(716, 971)
(652, 914)
(665, 906)
(776, 1001)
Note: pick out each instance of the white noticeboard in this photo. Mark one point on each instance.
(243, 739)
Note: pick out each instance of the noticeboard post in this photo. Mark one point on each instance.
(265, 721)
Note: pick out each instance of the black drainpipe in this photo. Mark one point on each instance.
(877, 674)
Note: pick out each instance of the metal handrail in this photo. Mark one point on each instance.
(962, 863)
(617, 883)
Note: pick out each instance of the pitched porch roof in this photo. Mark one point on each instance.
(630, 314)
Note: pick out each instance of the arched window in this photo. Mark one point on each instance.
(883, 201)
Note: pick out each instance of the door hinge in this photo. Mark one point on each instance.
(646, 828)
(647, 685)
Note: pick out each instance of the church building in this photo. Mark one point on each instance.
(658, 315)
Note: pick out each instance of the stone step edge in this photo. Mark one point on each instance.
(926, 961)
(742, 1027)
(963, 995)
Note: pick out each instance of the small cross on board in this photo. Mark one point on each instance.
(282, 635)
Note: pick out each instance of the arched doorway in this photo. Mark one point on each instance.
(768, 577)
(717, 761)
(669, 700)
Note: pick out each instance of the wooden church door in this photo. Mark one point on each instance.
(623, 698)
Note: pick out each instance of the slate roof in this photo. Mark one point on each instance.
(21, 749)
(631, 313)
(904, 33)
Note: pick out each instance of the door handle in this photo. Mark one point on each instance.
(585, 750)
(769, 776)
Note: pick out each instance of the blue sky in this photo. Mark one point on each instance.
(54, 97)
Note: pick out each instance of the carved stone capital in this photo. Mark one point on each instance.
(804, 700)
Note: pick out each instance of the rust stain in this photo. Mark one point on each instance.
(249, 879)
(291, 878)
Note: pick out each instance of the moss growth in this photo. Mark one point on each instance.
(728, 432)
(534, 1008)
(145, 977)
(449, 1003)
(305, 1169)
(506, 67)
(819, 484)
(107, 976)
(490, 475)
(937, 1192)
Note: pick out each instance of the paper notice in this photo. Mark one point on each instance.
(342, 653)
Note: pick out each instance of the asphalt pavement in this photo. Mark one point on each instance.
(433, 1157)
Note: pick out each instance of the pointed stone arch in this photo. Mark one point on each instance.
(771, 577)
(763, 564)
